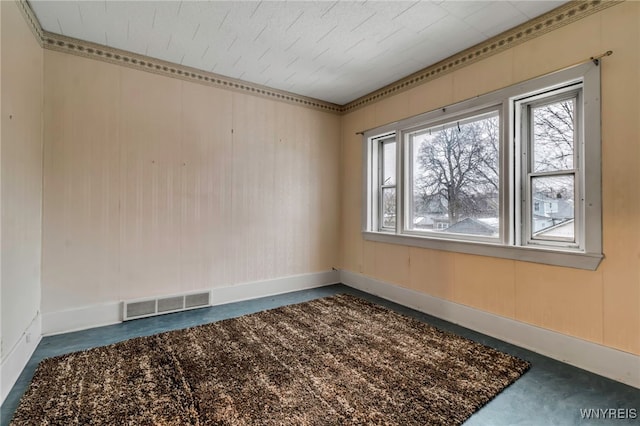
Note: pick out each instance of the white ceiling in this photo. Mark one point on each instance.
(333, 51)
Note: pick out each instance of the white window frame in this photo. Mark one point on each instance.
(405, 149)
(585, 253)
(381, 142)
(524, 142)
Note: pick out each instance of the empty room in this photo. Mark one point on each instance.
(320, 212)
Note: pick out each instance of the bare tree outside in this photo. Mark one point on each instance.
(389, 208)
(456, 166)
(553, 136)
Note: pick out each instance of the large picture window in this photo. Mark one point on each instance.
(454, 176)
(513, 173)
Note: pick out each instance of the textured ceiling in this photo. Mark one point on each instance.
(332, 51)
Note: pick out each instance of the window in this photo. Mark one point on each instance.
(453, 184)
(514, 173)
(387, 184)
(550, 160)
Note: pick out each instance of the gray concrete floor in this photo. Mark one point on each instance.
(550, 393)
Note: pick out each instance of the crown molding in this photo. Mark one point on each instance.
(112, 55)
(60, 43)
(31, 19)
(559, 17)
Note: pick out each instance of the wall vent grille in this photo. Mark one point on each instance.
(134, 309)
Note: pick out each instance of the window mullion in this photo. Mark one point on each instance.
(522, 138)
(399, 182)
(380, 178)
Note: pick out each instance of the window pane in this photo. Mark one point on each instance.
(389, 163)
(455, 177)
(552, 215)
(388, 207)
(553, 136)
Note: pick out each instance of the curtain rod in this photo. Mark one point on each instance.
(595, 59)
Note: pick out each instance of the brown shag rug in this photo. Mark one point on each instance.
(336, 360)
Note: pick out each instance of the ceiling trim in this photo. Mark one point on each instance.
(112, 55)
(32, 20)
(60, 43)
(559, 17)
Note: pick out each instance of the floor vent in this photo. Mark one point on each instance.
(134, 309)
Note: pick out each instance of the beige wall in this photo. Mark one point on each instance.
(601, 306)
(155, 186)
(21, 175)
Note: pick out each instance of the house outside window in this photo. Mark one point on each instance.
(514, 173)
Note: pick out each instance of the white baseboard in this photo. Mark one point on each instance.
(110, 313)
(81, 318)
(254, 290)
(19, 356)
(608, 362)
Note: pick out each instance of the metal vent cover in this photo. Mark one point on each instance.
(134, 309)
(170, 304)
(196, 300)
(140, 309)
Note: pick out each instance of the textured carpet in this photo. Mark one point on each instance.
(337, 360)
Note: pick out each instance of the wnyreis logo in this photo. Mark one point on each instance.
(608, 413)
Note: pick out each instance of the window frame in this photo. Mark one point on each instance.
(510, 244)
(524, 142)
(408, 169)
(381, 142)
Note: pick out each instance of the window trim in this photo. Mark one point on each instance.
(525, 165)
(510, 245)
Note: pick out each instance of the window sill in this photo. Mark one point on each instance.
(567, 258)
